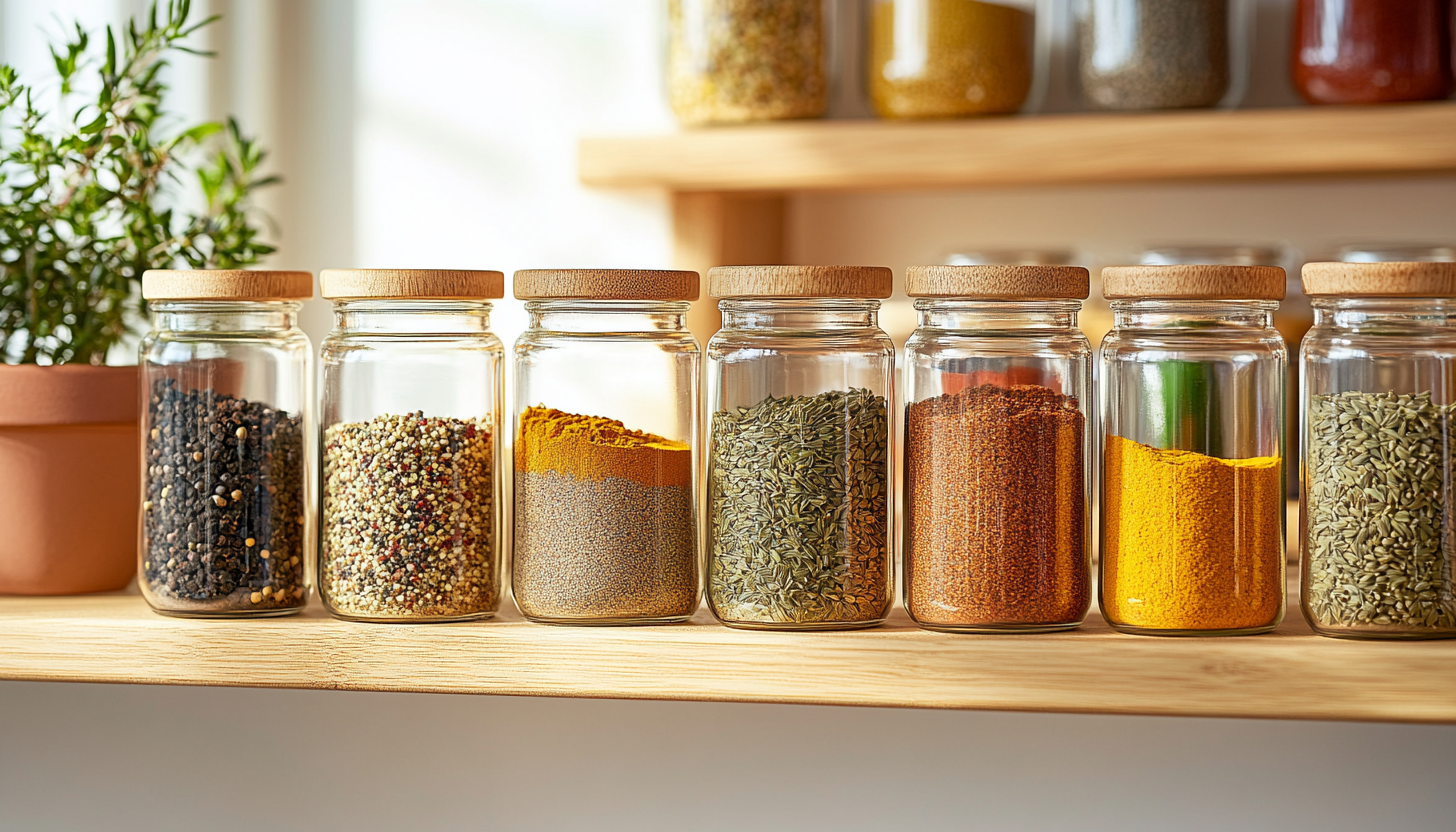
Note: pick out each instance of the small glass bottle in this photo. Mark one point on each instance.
(606, 427)
(734, 61)
(1372, 51)
(410, 524)
(227, 444)
(1162, 54)
(1193, 379)
(800, 474)
(998, 478)
(1378, 548)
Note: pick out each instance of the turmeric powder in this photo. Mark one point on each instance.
(595, 448)
(1191, 542)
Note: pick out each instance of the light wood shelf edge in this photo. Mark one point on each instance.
(1288, 674)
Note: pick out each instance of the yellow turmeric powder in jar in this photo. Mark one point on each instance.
(1191, 543)
(948, 58)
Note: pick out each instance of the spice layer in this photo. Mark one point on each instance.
(1190, 542)
(996, 529)
(594, 448)
(973, 57)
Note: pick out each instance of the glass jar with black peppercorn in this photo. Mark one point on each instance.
(226, 443)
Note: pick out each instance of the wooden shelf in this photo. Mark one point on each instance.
(1033, 150)
(1287, 674)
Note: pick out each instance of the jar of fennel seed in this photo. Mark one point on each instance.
(800, 475)
(227, 444)
(410, 525)
(606, 447)
(1377, 540)
(998, 388)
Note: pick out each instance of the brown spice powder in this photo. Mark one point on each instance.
(996, 516)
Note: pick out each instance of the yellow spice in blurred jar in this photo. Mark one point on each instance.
(947, 58)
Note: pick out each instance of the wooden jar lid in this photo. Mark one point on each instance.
(997, 282)
(800, 282)
(226, 284)
(1196, 282)
(1380, 280)
(411, 284)
(605, 284)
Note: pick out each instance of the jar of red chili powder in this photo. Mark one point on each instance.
(997, 482)
(1372, 51)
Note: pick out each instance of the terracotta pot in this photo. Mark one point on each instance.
(69, 479)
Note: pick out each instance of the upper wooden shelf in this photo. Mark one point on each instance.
(1287, 674)
(1032, 150)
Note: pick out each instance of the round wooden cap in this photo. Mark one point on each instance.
(412, 284)
(225, 284)
(605, 284)
(996, 282)
(1199, 282)
(800, 282)
(1380, 280)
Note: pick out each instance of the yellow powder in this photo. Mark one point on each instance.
(1190, 542)
(595, 448)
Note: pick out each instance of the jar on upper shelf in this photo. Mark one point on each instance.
(800, 485)
(410, 527)
(1378, 549)
(1372, 51)
(949, 58)
(606, 448)
(747, 60)
(1192, 389)
(998, 450)
(1162, 54)
(227, 444)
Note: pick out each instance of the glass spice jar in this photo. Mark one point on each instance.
(606, 427)
(998, 478)
(1372, 51)
(1193, 380)
(227, 427)
(411, 446)
(800, 492)
(949, 58)
(1378, 548)
(1162, 54)
(747, 60)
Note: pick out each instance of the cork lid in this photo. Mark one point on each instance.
(411, 284)
(1380, 280)
(800, 282)
(996, 282)
(605, 284)
(1200, 282)
(226, 284)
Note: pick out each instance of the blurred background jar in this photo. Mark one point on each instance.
(747, 60)
(606, 447)
(410, 525)
(1379, 397)
(1396, 253)
(227, 444)
(1162, 54)
(950, 58)
(1372, 51)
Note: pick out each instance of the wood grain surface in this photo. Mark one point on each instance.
(1037, 150)
(1194, 282)
(1287, 674)
(1380, 280)
(997, 282)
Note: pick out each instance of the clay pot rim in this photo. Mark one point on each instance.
(67, 394)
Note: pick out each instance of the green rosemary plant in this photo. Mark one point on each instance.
(89, 189)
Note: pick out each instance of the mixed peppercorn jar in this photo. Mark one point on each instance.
(997, 457)
(410, 524)
(606, 446)
(800, 494)
(226, 392)
(1193, 379)
(1378, 397)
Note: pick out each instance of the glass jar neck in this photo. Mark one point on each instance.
(1146, 313)
(599, 316)
(997, 315)
(1354, 313)
(224, 315)
(413, 316)
(800, 313)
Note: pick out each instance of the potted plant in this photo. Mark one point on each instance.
(90, 188)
